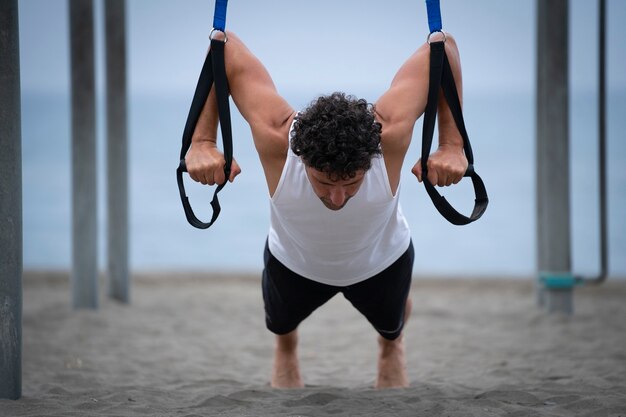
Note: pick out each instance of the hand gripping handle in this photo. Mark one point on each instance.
(212, 70)
(441, 77)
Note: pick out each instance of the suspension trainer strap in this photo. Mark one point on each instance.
(213, 70)
(434, 15)
(441, 77)
(219, 16)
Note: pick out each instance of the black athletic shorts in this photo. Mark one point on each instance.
(290, 298)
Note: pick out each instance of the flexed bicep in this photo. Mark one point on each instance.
(405, 100)
(253, 90)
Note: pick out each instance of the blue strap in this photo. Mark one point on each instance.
(434, 15)
(219, 17)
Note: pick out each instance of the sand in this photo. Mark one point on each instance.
(197, 346)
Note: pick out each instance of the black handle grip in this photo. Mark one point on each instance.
(446, 210)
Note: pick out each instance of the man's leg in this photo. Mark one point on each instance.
(288, 298)
(392, 371)
(384, 301)
(286, 370)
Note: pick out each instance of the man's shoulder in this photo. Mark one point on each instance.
(272, 144)
(273, 137)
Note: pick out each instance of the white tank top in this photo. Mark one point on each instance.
(339, 247)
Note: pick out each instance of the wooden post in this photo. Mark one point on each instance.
(117, 150)
(552, 159)
(10, 205)
(84, 209)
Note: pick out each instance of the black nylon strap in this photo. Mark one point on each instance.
(213, 70)
(441, 77)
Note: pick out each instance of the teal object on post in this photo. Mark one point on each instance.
(558, 281)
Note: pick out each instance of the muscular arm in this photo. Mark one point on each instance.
(267, 113)
(399, 108)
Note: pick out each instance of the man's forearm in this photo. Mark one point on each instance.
(448, 133)
(206, 128)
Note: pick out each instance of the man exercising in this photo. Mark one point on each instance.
(333, 175)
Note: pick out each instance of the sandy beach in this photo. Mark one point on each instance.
(196, 345)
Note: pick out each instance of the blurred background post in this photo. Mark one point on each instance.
(10, 205)
(117, 150)
(552, 151)
(84, 186)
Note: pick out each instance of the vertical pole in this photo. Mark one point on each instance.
(604, 260)
(552, 147)
(117, 150)
(84, 210)
(10, 205)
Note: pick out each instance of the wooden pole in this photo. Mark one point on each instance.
(10, 205)
(84, 215)
(552, 159)
(117, 150)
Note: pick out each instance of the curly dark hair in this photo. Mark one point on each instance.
(338, 135)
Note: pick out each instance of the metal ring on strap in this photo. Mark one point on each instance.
(436, 31)
(218, 30)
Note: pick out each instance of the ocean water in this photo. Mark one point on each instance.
(502, 243)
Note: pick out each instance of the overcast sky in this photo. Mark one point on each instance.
(323, 45)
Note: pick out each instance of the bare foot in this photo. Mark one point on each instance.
(286, 371)
(392, 371)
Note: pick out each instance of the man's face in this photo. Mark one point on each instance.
(334, 193)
